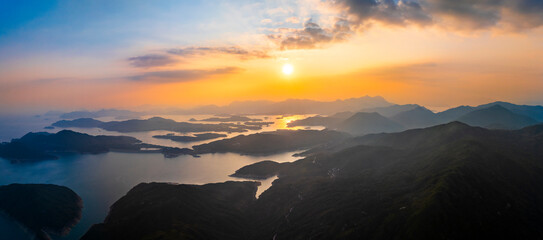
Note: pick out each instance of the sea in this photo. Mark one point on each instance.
(101, 179)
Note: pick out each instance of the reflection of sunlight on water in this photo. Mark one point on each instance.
(282, 123)
(264, 185)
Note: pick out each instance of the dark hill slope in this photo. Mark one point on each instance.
(364, 123)
(42, 208)
(497, 117)
(418, 117)
(451, 181)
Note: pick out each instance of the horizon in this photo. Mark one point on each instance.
(152, 109)
(60, 55)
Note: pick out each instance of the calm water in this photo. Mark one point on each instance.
(102, 179)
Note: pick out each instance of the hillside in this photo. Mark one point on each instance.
(364, 123)
(497, 117)
(450, 181)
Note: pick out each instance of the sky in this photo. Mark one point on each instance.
(92, 54)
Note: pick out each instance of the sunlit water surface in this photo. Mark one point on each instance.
(102, 179)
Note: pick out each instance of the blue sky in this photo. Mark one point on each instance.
(97, 49)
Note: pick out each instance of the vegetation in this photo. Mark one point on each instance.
(271, 142)
(451, 181)
(42, 208)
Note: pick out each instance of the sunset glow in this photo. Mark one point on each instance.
(288, 69)
(57, 58)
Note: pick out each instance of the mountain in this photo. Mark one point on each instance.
(389, 111)
(418, 117)
(497, 117)
(453, 114)
(450, 181)
(42, 208)
(534, 112)
(364, 123)
(291, 106)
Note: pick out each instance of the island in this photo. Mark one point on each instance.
(46, 146)
(195, 138)
(260, 170)
(232, 118)
(43, 209)
(451, 181)
(266, 143)
(154, 124)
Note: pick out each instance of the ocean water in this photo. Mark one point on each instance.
(101, 179)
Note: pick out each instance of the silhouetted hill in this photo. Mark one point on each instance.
(291, 106)
(364, 123)
(450, 181)
(328, 122)
(155, 123)
(389, 111)
(497, 117)
(418, 117)
(233, 118)
(453, 114)
(271, 142)
(195, 138)
(42, 208)
(534, 112)
(260, 170)
(167, 211)
(45, 146)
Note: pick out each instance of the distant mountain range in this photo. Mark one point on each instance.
(290, 106)
(497, 115)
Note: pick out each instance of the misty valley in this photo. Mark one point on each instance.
(346, 169)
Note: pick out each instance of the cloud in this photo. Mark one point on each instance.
(311, 36)
(235, 51)
(184, 75)
(292, 20)
(461, 15)
(151, 60)
(385, 11)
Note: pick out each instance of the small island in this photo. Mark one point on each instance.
(154, 124)
(195, 138)
(43, 209)
(233, 118)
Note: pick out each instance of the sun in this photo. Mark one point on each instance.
(288, 69)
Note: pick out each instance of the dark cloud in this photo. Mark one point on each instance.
(151, 60)
(356, 15)
(312, 35)
(184, 75)
(386, 11)
(236, 51)
(460, 14)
